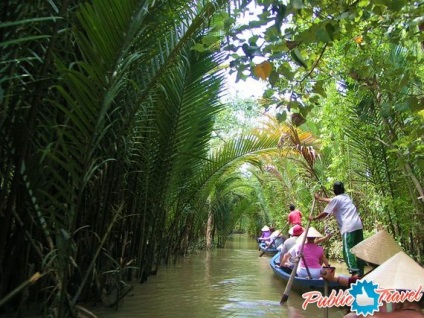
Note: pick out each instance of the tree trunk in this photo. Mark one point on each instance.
(209, 230)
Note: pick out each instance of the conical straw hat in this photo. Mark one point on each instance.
(265, 228)
(377, 248)
(398, 272)
(312, 232)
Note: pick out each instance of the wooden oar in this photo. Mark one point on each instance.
(306, 266)
(326, 295)
(296, 262)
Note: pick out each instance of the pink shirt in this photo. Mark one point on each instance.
(295, 217)
(312, 254)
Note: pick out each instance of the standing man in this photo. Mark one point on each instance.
(350, 224)
(294, 217)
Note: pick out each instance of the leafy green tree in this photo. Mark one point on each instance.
(292, 43)
(359, 64)
(104, 142)
(108, 111)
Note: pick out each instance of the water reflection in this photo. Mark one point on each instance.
(230, 282)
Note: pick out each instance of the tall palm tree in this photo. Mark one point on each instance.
(106, 111)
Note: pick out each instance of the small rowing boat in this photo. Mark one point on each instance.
(271, 250)
(299, 283)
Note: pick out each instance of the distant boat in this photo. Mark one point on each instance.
(267, 250)
(301, 284)
(272, 249)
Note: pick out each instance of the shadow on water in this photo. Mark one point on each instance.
(230, 282)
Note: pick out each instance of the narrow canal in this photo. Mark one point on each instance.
(230, 282)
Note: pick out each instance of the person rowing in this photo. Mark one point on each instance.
(349, 222)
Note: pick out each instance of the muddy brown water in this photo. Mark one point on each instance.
(229, 282)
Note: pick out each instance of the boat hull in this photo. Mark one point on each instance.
(270, 251)
(301, 284)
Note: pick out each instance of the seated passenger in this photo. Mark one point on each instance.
(265, 233)
(397, 271)
(295, 232)
(266, 238)
(313, 255)
(287, 257)
(374, 250)
(275, 239)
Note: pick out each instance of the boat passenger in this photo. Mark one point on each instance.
(374, 250)
(267, 238)
(313, 255)
(265, 233)
(287, 259)
(294, 232)
(377, 250)
(275, 239)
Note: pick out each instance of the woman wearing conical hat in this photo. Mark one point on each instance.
(266, 232)
(313, 255)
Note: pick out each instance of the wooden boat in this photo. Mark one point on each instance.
(301, 284)
(270, 251)
(273, 248)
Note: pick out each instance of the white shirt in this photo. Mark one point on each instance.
(343, 209)
(288, 244)
(293, 251)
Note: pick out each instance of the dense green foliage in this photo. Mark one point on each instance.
(352, 70)
(106, 116)
(117, 153)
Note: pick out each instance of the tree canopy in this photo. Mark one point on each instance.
(110, 112)
(299, 47)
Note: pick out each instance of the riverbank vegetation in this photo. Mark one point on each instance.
(120, 151)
